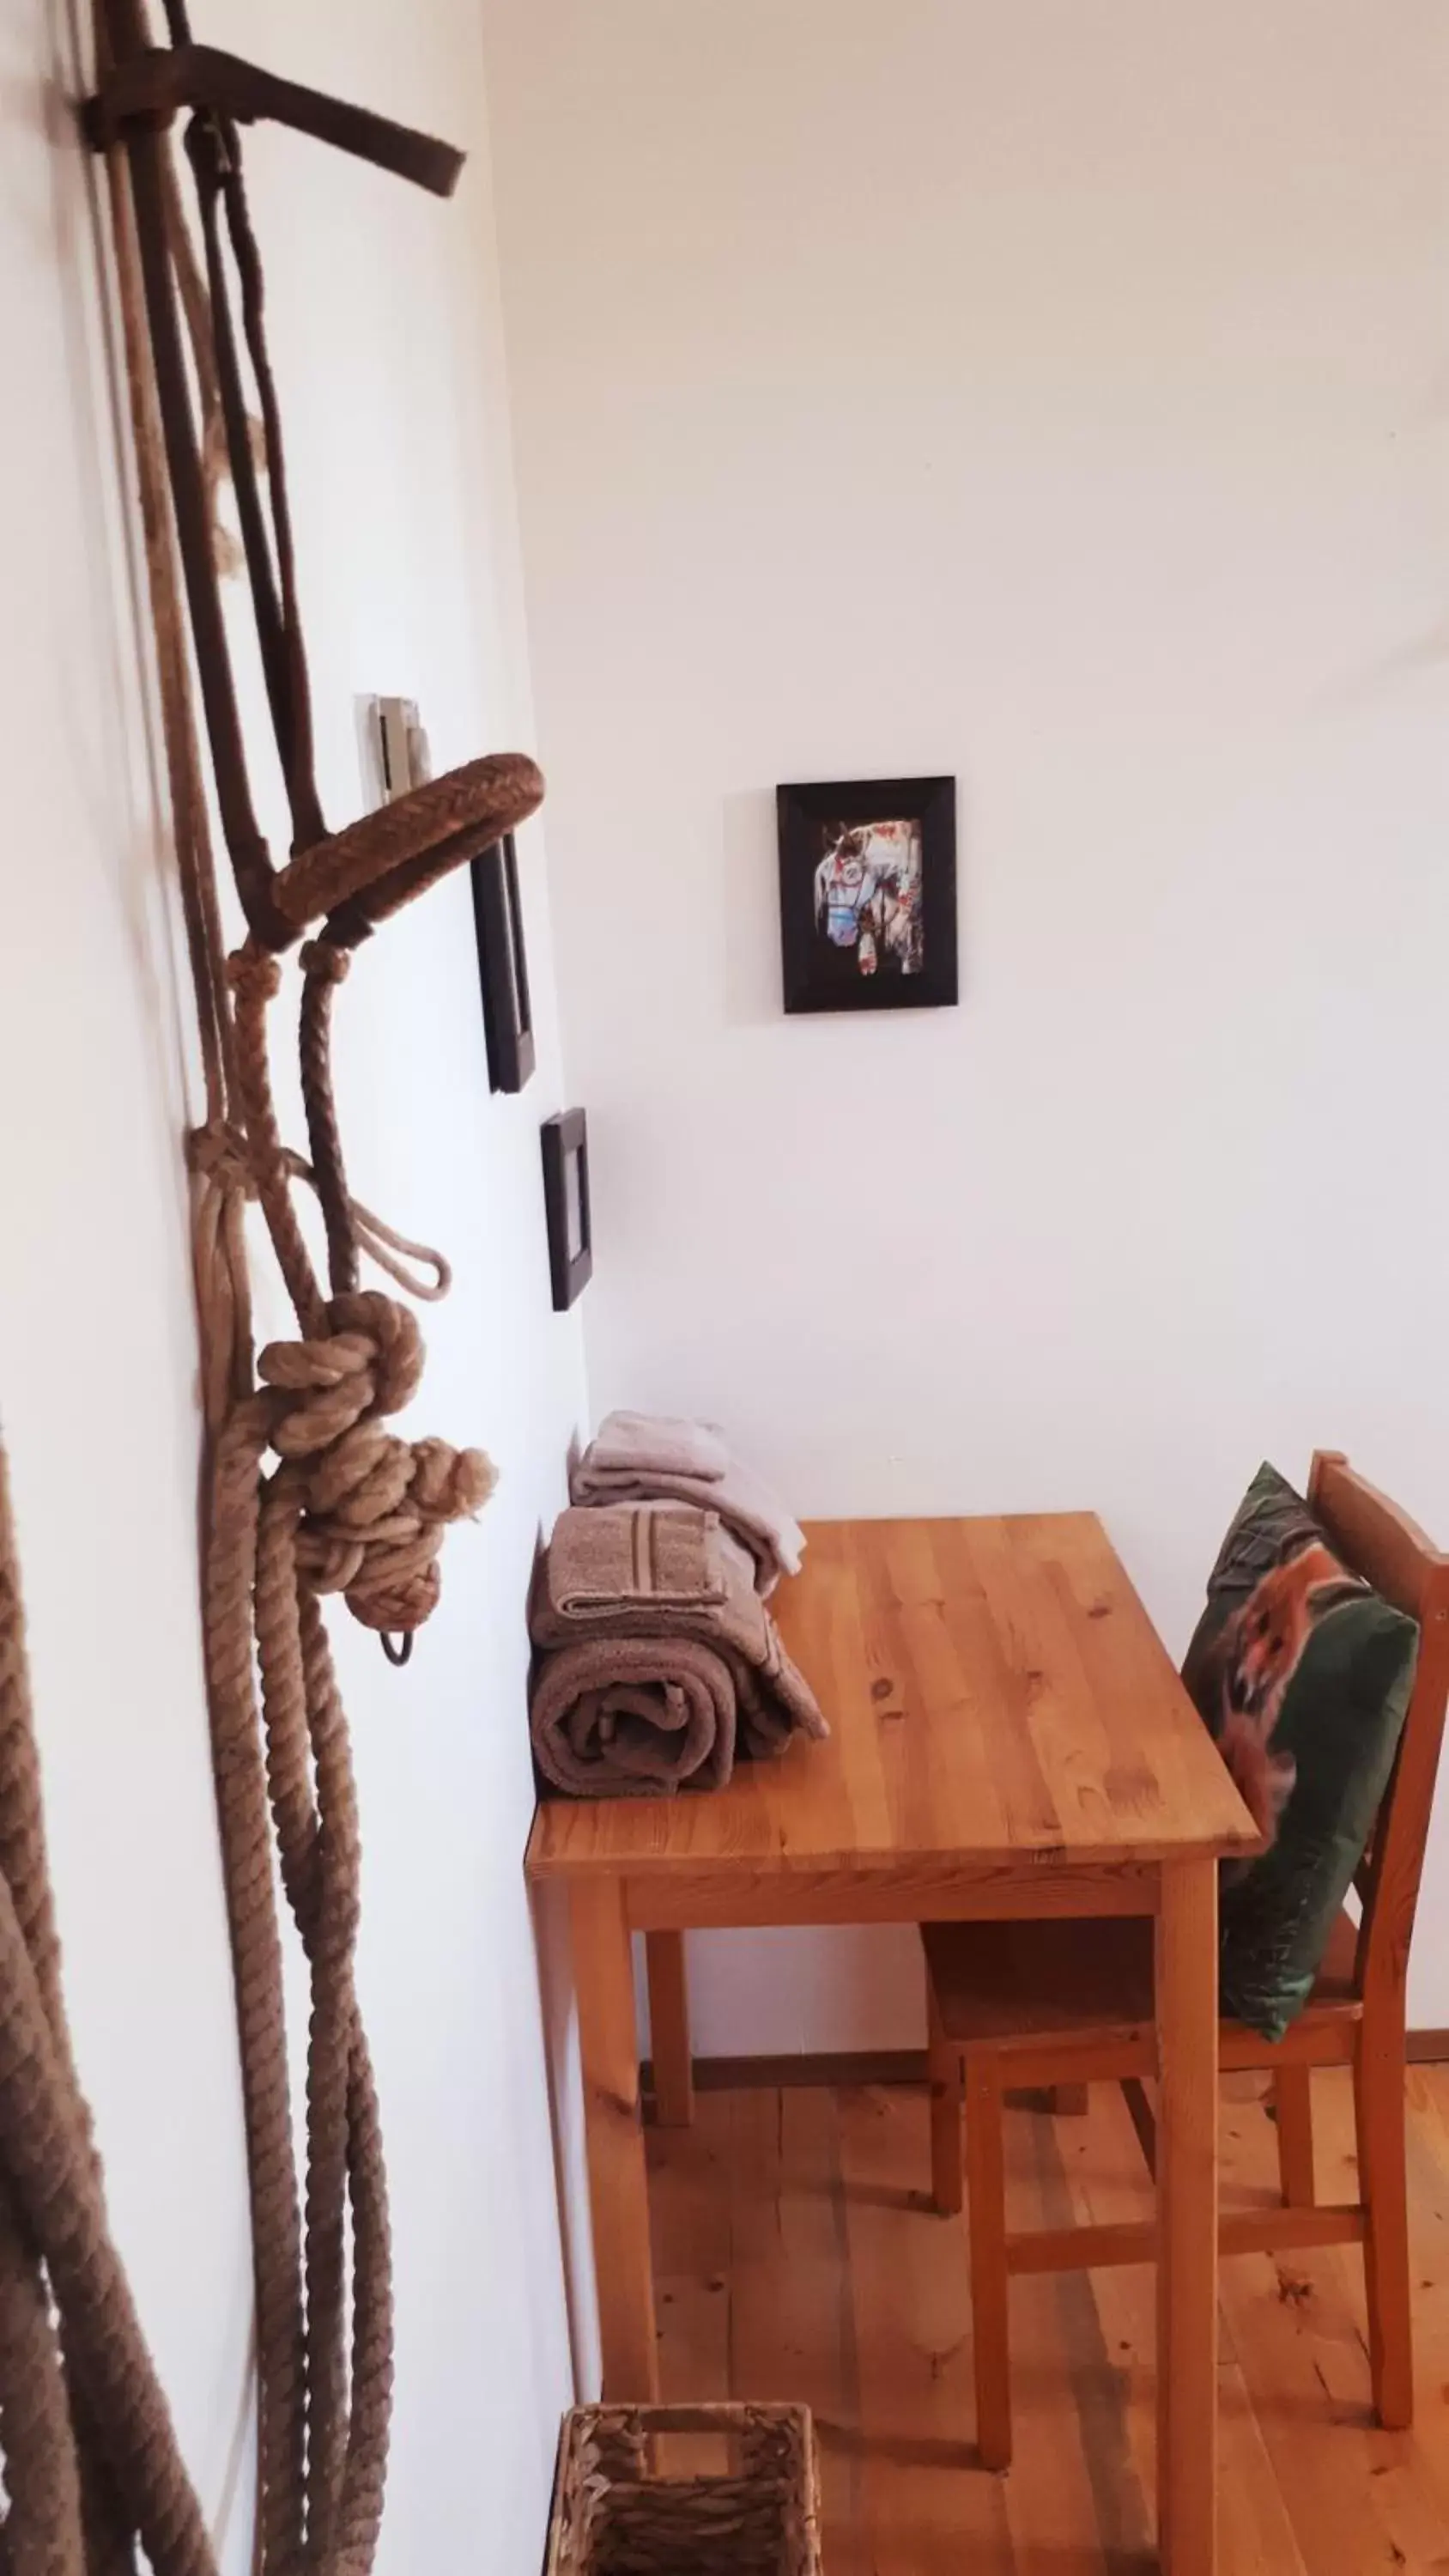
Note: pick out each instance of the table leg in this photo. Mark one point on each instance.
(669, 2030)
(618, 2185)
(1187, 2186)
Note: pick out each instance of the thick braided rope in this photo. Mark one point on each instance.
(299, 1735)
(43, 2531)
(43, 2525)
(242, 1818)
(324, 968)
(103, 2445)
(314, 1810)
(359, 2508)
(54, 2177)
(351, 1507)
(255, 980)
(220, 1170)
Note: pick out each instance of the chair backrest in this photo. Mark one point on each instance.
(1378, 1541)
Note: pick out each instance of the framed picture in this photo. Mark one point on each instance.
(503, 967)
(566, 1205)
(868, 894)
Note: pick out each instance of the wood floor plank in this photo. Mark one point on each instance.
(1100, 2180)
(689, 2201)
(797, 2256)
(689, 2205)
(1074, 2499)
(1298, 2327)
(1408, 2472)
(931, 2510)
(792, 2317)
(1110, 2186)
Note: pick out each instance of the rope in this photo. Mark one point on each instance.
(196, 312)
(309, 1492)
(350, 1508)
(90, 2451)
(324, 967)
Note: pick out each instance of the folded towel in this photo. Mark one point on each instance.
(627, 1600)
(627, 1442)
(653, 1554)
(640, 1457)
(633, 1719)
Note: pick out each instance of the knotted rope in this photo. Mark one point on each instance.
(310, 1492)
(372, 1508)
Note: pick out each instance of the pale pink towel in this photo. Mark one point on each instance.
(643, 1457)
(625, 1442)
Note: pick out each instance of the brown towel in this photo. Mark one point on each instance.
(649, 1588)
(631, 1719)
(605, 1562)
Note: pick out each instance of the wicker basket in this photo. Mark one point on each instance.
(686, 2491)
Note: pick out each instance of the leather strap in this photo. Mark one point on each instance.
(153, 87)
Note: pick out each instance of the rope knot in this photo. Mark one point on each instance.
(218, 1152)
(321, 959)
(397, 1343)
(254, 973)
(374, 1508)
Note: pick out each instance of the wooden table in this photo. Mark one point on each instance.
(1009, 1739)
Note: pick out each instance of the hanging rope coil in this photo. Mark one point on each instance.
(91, 2462)
(309, 1491)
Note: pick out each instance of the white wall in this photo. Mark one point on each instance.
(1053, 394)
(387, 348)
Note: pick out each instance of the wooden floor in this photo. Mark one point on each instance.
(797, 2256)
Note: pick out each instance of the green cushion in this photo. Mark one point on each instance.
(1303, 1674)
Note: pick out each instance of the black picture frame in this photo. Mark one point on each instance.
(889, 942)
(503, 966)
(565, 1141)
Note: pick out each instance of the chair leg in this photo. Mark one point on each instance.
(986, 2202)
(1293, 2113)
(944, 2064)
(1379, 2113)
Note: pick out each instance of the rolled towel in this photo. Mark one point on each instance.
(639, 1457)
(665, 1575)
(632, 1717)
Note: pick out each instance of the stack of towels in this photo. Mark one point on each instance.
(652, 1458)
(657, 1661)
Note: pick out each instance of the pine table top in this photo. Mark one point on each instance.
(998, 1698)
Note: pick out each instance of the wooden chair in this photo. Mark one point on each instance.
(1064, 2004)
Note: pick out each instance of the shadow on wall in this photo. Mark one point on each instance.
(749, 899)
(558, 2014)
